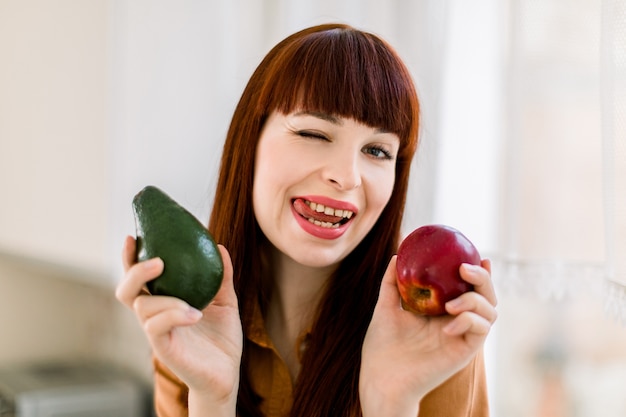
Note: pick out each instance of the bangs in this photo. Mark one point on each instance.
(345, 73)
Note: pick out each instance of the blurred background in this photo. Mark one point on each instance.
(523, 148)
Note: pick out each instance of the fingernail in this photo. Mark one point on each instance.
(194, 313)
(471, 267)
(152, 263)
(454, 304)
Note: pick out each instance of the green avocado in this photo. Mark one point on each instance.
(193, 266)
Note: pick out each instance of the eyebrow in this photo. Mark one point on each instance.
(331, 119)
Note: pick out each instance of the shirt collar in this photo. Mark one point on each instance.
(255, 331)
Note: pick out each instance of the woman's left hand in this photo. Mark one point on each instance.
(406, 355)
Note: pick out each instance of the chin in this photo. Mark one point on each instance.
(315, 258)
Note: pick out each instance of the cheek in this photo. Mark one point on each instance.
(260, 182)
(273, 174)
(263, 186)
(267, 164)
(272, 170)
(380, 188)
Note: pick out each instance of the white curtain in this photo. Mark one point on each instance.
(552, 231)
(563, 173)
(614, 134)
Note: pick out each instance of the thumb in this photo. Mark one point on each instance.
(389, 295)
(226, 295)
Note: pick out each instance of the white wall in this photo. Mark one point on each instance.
(53, 130)
(56, 250)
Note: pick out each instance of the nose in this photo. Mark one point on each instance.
(343, 172)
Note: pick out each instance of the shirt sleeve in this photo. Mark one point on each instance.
(463, 395)
(170, 393)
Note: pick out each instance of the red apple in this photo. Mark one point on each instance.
(428, 268)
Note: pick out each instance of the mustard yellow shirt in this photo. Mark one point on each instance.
(463, 395)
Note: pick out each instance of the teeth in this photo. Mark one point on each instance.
(320, 208)
(324, 224)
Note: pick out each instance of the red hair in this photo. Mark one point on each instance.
(338, 70)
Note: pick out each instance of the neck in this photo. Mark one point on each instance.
(297, 289)
(295, 297)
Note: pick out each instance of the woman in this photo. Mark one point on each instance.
(308, 208)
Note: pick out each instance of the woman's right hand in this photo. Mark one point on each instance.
(202, 348)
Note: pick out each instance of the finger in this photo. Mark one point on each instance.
(226, 295)
(147, 306)
(469, 324)
(473, 302)
(129, 252)
(486, 263)
(159, 326)
(135, 279)
(480, 277)
(389, 295)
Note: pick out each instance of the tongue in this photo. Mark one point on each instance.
(304, 210)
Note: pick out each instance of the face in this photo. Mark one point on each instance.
(320, 184)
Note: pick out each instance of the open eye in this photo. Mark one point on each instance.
(378, 152)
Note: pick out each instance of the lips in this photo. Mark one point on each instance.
(323, 217)
(317, 212)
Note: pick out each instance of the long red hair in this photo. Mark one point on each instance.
(343, 71)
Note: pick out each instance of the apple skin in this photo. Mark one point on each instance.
(428, 265)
